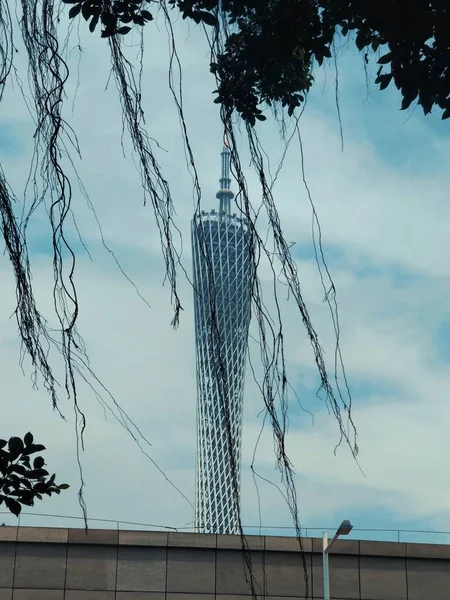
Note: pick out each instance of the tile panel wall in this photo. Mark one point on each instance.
(68, 564)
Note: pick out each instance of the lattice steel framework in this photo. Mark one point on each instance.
(222, 305)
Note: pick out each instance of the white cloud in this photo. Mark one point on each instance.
(377, 218)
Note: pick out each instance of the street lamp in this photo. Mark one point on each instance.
(344, 529)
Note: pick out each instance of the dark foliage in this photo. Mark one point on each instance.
(271, 45)
(414, 39)
(114, 15)
(22, 481)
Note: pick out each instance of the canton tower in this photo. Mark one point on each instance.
(222, 306)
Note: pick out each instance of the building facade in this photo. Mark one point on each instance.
(222, 265)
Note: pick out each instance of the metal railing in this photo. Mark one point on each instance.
(32, 519)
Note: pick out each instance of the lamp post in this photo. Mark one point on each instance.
(344, 529)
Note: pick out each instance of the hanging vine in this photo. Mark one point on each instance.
(261, 54)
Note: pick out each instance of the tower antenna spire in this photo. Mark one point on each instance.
(225, 195)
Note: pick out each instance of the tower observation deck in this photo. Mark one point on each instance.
(222, 307)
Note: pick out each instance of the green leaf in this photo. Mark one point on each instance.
(13, 506)
(40, 487)
(27, 501)
(408, 98)
(385, 59)
(86, 10)
(64, 486)
(93, 23)
(123, 30)
(33, 448)
(34, 474)
(90, 8)
(384, 80)
(28, 438)
(38, 462)
(375, 44)
(3, 443)
(147, 15)
(446, 114)
(74, 11)
(15, 446)
(361, 40)
(108, 19)
(208, 18)
(20, 469)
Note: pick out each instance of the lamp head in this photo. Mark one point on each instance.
(344, 528)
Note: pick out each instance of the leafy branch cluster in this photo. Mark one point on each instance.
(417, 36)
(110, 13)
(268, 55)
(21, 481)
(200, 12)
(271, 46)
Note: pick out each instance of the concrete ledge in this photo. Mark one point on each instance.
(94, 536)
(172, 539)
(143, 538)
(287, 544)
(234, 542)
(339, 546)
(439, 551)
(8, 534)
(191, 540)
(48, 535)
(382, 549)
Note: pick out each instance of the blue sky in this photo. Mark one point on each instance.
(383, 206)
